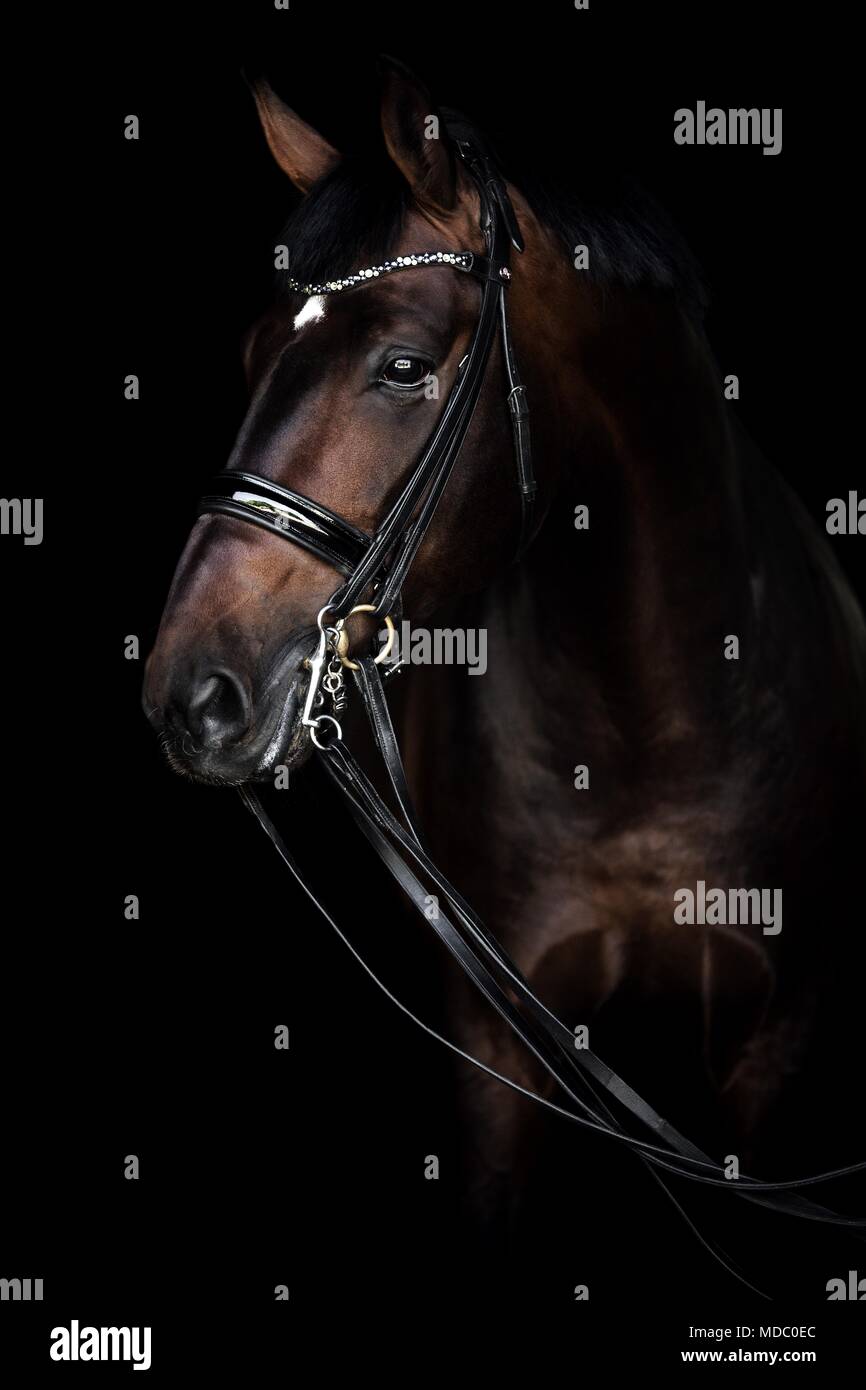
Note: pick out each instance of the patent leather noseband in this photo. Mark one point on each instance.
(289, 515)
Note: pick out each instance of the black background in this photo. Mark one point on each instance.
(156, 1037)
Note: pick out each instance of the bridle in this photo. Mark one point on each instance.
(374, 569)
(377, 565)
(380, 563)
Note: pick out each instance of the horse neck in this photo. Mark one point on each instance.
(611, 638)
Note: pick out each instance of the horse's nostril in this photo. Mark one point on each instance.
(219, 710)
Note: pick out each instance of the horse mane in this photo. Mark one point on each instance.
(632, 240)
(353, 217)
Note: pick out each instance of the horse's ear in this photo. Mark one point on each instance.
(410, 125)
(299, 150)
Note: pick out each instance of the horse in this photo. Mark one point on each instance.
(674, 688)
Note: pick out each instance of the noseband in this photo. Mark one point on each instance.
(374, 568)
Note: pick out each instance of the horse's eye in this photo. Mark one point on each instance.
(405, 371)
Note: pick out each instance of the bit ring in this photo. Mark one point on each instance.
(342, 647)
(314, 729)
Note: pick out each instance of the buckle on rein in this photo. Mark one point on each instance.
(325, 667)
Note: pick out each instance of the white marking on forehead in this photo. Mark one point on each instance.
(312, 312)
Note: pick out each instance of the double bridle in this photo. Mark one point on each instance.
(374, 569)
(379, 563)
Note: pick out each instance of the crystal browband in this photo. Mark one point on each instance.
(461, 260)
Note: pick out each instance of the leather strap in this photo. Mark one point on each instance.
(519, 407)
(369, 683)
(493, 972)
(395, 535)
(549, 1040)
(288, 514)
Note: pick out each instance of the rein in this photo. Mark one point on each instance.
(376, 566)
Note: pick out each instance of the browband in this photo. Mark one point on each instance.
(460, 260)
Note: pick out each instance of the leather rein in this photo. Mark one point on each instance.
(375, 567)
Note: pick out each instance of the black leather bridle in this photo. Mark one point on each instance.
(374, 568)
(380, 563)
